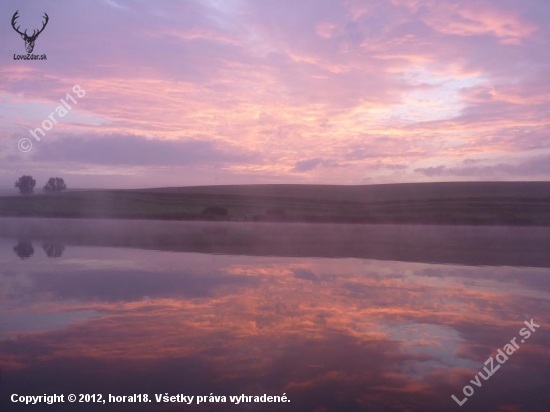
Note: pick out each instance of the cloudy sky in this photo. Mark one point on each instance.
(199, 92)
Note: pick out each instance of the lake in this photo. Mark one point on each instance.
(333, 317)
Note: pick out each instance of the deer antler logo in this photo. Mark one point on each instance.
(29, 40)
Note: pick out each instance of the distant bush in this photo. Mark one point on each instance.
(55, 184)
(275, 212)
(215, 211)
(25, 184)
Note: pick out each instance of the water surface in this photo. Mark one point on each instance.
(185, 310)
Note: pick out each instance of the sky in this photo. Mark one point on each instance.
(201, 92)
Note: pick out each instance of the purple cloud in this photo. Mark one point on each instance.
(140, 151)
(536, 166)
(354, 84)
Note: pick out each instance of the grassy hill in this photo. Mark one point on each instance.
(478, 203)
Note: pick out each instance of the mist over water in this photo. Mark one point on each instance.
(470, 245)
(338, 317)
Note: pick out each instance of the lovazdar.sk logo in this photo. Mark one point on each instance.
(29, 39)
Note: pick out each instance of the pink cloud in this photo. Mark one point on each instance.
(394, 81)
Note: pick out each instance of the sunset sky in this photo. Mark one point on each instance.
(201, 92)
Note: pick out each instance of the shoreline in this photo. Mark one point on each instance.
(467, 245)
(312, 221)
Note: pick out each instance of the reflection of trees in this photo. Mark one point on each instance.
(24, 249)
(53, 250)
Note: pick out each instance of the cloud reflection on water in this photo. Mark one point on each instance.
(334, 334)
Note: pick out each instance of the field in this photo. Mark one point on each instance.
(483, 203)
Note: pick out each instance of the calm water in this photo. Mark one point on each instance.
(340, 324)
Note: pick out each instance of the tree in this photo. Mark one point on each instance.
(53, 250)
(25, 184)
(55, 184)
(23, 249)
